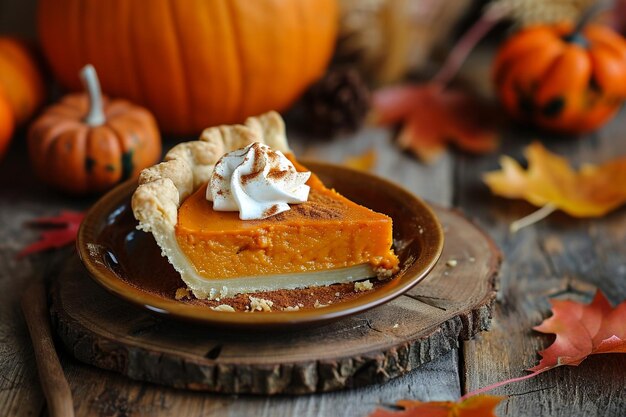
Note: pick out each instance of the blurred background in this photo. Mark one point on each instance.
(329, 66)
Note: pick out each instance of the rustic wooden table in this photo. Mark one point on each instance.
(558, 257)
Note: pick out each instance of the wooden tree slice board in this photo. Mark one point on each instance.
(453, 303)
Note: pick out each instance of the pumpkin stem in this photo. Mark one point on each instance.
(533, 217)
(490, 18)
(95, 114)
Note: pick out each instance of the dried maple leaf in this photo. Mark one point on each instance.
(476, 406)
(434, 116)
(65, 229)
(592, 191)
(550, 183)
(363, 162)
(582, 330)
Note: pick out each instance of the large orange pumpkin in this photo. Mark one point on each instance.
(563, 79)
(20, 80)
(87, 143)
(7, 124)
(193, 63)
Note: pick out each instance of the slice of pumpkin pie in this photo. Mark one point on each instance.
(234, 212)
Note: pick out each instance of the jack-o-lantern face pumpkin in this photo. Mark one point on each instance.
(562, 79)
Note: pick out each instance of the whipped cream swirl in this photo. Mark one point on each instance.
(257, 181)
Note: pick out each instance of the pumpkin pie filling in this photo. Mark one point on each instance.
(326, 232)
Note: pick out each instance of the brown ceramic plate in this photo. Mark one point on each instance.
(127, 262)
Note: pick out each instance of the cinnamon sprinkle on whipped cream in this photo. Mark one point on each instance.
(256, 181)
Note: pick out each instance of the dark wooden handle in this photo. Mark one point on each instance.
(53, 382)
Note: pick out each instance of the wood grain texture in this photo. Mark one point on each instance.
(101, 393)
(21, 199)
(19, 389)
(559, 257)
(95, 392)
(452, 304)
(431, 182)
(555, 256)
(582, 254)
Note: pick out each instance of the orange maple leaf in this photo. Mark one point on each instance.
(550, 181)
(434, 116)
(477, 406)
(582, 330)
(364, 162)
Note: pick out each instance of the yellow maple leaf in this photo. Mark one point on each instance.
(363, 162)
(550, 182)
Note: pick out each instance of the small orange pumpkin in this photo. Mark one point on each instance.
(562, 78)
(87, 143)
(20, 79)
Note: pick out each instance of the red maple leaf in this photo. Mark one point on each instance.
(478, 406)
(582, 330)
(434, 116)
(64, 231)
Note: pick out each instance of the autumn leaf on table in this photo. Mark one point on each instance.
(551, 183)
(363, 162)
(477, 406)
(581, 330)
(63, 231)
(433, 116)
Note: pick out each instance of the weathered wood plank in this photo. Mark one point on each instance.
(371, 348)
(101, 393)
(431, 182)
(551, 256)
(22, 198)
(562, 257)
(19, 392)
(436, 380)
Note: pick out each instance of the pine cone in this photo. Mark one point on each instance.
(337, 103)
